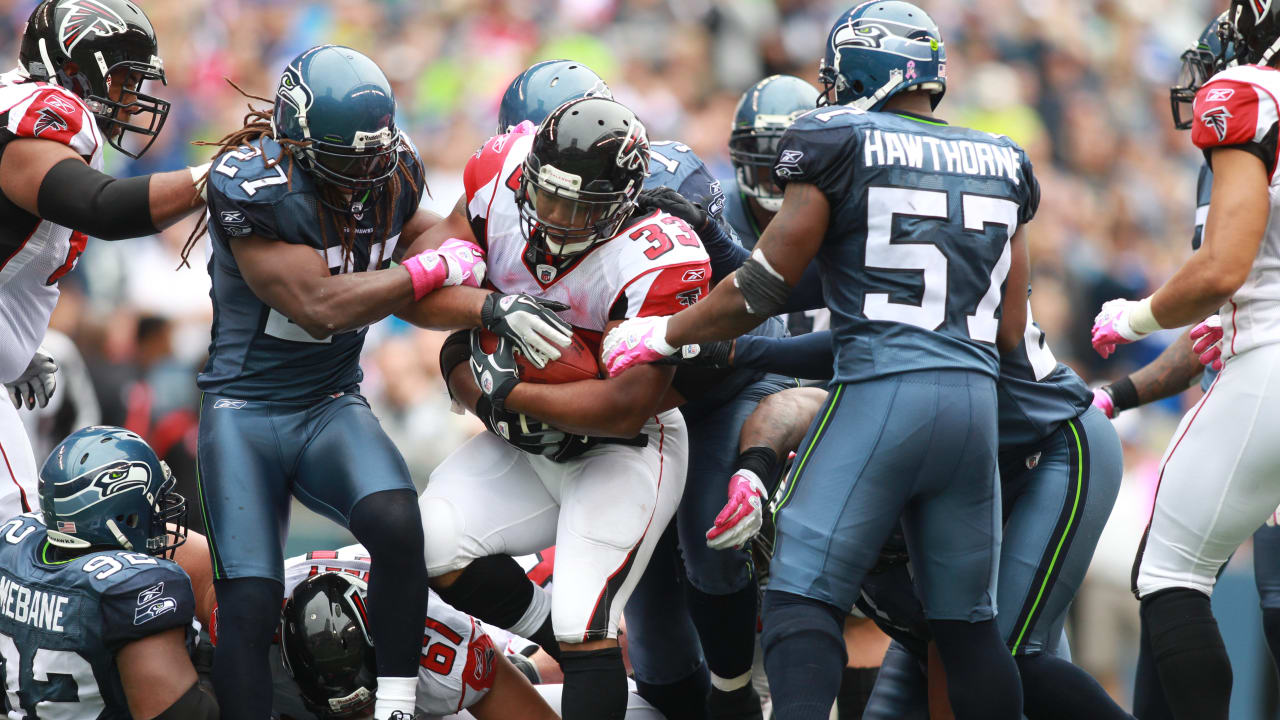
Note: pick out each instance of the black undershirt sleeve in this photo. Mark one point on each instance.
(75, 195)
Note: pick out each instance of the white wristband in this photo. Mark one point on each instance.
(1141, 320)
(198, 174)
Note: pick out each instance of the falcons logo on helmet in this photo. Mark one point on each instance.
(88, 18)
(1216, 118)
(48, 120)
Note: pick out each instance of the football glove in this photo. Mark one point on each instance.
(495, 373)
(636, 341)
(534, 436)
(673, 203)
(455, 262)
(741, 517)
(36, 384)
(1103, 401)
(713, 355)
(530, 323)
(1206, 342)
(1113, 326)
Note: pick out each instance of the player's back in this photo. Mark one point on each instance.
(63, 621)
(256, 352)
(917, 246)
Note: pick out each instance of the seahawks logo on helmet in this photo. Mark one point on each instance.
(1216, 118)
(48, 120)
(88, 18)
(293, 91)
(121, 477)
(863, 34)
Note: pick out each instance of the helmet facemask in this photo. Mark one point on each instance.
(753, 152)
(168, 518)
(561, 218)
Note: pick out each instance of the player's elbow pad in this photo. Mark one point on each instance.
(763, 289)
(194, 704)
(75, 195)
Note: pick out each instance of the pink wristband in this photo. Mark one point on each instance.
(427, 272)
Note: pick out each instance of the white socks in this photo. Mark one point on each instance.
(395, 693)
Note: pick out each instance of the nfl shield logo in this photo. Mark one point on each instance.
(546, 274)
(1033, 461)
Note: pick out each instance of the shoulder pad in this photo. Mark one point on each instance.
(258, 173)
(1238, 106)
(148, 601)
(48, 112)
(486, 165)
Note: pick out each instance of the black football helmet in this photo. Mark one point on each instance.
(326, 648)
(580, 180)
(1254, 27)
(1213, 52)
(85, 46)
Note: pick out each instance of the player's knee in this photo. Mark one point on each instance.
(388, 523)
(248, 608)
(442, 531)
(1180, 620)
(716, 572)
(795, 617)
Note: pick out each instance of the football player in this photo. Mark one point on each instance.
(556, 212)
(77, 88)
(1217, 479)
(919, 330)
(308, 203)
(692, 641)
(96, 615)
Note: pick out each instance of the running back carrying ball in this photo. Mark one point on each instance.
(578, 361)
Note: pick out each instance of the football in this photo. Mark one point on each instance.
(577, 362)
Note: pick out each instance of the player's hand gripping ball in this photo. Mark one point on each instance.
(530, 323)
(577, 361)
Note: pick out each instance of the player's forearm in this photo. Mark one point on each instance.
(807, 356)
(449, 308)
(721, 315)
(348, 301)
(601, 408)
(1169, 374)
(173, 196)
(1199, 289)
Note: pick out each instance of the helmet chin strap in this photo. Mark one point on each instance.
(1270, 53)
(120, 538)
(50, 73)
(866, 103)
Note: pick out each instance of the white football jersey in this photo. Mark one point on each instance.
(34, 253)
(458, 657)
(656, 265)
(1240, 107)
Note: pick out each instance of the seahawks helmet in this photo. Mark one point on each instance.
(879, 49)
(85, 46)
(1254, 28)
(104, 487)
(338, 109)
(1209, 56)
(580, 180)
(764, 113)
(325, 645)
(544, 87)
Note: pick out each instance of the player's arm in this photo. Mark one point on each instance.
(193, 557)
(1173, 371)
(49, 180)
(449, 308)
(808, 356)
(159, 680)
(1013, 306)
(760, 287)
(511, 697)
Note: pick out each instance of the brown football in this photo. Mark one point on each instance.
(577, 362)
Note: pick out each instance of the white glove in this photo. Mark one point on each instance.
(36, 383)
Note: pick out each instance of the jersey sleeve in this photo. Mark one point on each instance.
(238, 205)
(147, 603)
(1031, 187)
(677, 276)
(1232, 113)
(483, 173)
(50, 113)
(817, 150)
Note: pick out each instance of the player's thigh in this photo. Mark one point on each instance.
(1052, 527)
(18, 472)
(1220, 477)
(347, 457)
(713, 451)
(485, 499)
(846, 489)
(901, 691)
(244, 488)
(662, 642)
(1266, 565)
(615, 503)
(952, 526)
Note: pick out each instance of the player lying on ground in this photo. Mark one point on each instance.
(102, 615)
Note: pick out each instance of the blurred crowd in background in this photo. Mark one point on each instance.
(1082, 84)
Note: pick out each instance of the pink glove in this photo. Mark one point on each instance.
(455, 262)
(1206, 342)
(636, 341)
(741, 517)
(1104, 402)
(1111, 327)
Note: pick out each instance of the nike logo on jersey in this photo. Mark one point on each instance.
(930, 153)
(37, 608)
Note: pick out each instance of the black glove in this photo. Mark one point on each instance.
(528, 322)
(672, 202)
(706, 355)
(496, 373)
(532, 436)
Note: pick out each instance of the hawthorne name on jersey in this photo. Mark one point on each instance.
(880, 147)
(37, 608)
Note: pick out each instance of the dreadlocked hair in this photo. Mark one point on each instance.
(257, 125)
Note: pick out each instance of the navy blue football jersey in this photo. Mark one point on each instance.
(62, 622)
(1036, 392)
(916, 251)
(256, 352)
